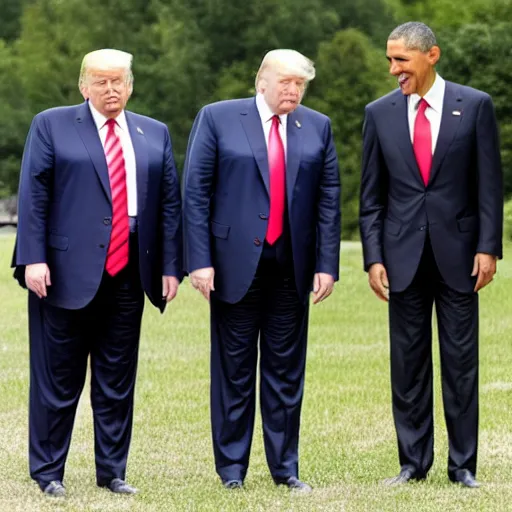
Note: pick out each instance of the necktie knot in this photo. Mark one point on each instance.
(276, 120)
(422, 105)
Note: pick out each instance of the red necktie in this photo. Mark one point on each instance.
(276, 165)
(117, 254)
(422, 142)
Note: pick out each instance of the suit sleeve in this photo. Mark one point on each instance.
(34, 194)
(197, 188)
(373, 194)
(329, 215)
(171, 215)
(490, 181)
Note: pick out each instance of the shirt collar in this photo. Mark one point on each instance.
(264, 110)
(434, 96)
(100, 119)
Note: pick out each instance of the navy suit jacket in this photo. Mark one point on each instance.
(226, 195)
(65, 204)
(462, 205)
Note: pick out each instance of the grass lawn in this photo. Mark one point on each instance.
(347, 438)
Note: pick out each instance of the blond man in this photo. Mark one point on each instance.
(262, 230)
(99, 226)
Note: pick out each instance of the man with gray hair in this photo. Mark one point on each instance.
(431, 219)
(261, 199)
(99, 224)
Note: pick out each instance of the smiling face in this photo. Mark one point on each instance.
(108, 91)
(282, 93)
(414, 69)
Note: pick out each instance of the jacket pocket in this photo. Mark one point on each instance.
(58, 242)
(219, 230)
(467, 224)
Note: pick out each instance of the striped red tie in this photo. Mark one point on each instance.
(277, 169)
(117, 254)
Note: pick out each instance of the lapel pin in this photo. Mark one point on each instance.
(140, 131)
(297, 124)
(456, 113)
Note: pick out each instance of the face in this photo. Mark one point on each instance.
(414, 69)
(108, 91)
(283, 93)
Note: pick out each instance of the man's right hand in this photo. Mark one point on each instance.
(37, 278)
(202, 280)
(378, 279)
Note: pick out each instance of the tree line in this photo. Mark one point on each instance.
(188, 53)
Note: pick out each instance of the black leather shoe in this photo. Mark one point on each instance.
(232, 484)
(466, 478)
(295, 484)
(403, 477)
(121, 487)
(55, 489)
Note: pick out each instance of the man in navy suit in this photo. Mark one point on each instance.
(431, 217)
(261, 202)
(99, 225)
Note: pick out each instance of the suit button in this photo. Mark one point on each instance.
(102, 246)
(422, 228)
(107, 221)
(263, 216)
(257, 241)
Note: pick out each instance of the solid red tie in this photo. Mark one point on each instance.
(117, 254)
(422, 142)
(277, 170)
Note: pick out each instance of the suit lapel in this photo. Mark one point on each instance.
(251, 123)
(140, 148)
(402, 134)
(87, 130)
(450, 123)
(293, 150)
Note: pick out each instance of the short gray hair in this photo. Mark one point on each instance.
(287, 62)
(416, 36)
(106, 60)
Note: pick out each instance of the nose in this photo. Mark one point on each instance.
(394, 68)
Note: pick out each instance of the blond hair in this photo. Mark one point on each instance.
(286, 62)
(106, 60)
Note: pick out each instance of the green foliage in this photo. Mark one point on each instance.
(350, 74)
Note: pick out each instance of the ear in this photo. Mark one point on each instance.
(434, 54)
(85, 92)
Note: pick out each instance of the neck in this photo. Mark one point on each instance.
(428, 84)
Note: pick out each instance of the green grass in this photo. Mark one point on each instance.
(347, 439)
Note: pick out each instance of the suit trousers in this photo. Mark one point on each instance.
(410, 319)
(61, 341)
(273, 313)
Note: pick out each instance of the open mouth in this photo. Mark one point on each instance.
(403, 80)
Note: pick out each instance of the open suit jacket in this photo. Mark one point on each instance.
(70, 219)
(461, 206)
(226, 211)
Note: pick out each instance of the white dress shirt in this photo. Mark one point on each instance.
(434, 111)
(122, 131)
(266, 120)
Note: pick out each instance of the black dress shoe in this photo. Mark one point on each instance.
(232, 484)
(295, 484)
(403, 477)
(466, 478)
(121, 487)
(55, 489)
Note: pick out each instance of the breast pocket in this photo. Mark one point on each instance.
(58, 242)
(219, 230)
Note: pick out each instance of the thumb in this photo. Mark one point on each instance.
(384, 279)
(316, 283)
(47, 278)
(165, 287)
(475, 267)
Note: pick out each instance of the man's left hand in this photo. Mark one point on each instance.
(169, 287)
(485, 267)
(323, 285)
